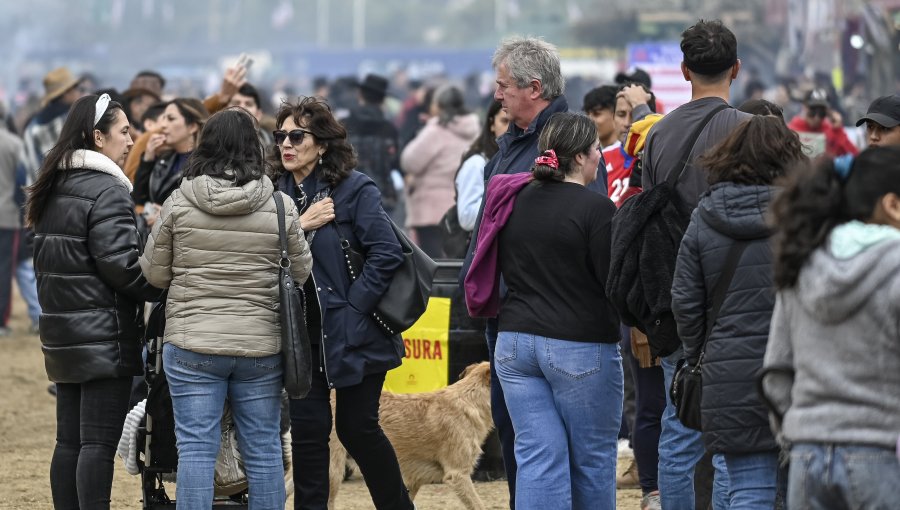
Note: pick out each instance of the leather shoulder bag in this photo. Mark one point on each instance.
(407, 295)
(296, 353)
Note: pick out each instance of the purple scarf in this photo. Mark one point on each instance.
(482, 282)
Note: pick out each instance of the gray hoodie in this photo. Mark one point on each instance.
(839, 329)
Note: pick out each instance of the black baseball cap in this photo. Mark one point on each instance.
(816, 97)
(885, 111)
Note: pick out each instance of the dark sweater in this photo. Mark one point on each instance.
(554, 257)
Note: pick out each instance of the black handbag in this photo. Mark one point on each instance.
(407, 296)
(455, 238)
(687, 384)
(296, 353)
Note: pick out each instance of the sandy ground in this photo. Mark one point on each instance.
(27, 430)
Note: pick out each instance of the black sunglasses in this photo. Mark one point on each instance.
(818, 112)
(295, 136)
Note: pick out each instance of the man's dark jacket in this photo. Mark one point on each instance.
(376, 145)
(89, 282)
(734, 419)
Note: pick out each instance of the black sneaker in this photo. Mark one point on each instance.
(52, 389)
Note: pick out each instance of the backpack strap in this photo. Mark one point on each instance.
(673, 178)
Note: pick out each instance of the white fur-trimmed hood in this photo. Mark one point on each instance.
(93, 160)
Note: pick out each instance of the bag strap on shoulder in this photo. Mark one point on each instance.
(722, 284)
(282, 234)
(673, 178)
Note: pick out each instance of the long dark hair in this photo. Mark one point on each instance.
(758, 151)
(486, 143)
(229, 148)
(818, 198)
(77, 133)
(567, 134)
(339, 159)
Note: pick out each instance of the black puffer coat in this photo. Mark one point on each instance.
(734, 420)
(89, 282)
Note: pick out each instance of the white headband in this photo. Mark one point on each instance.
(100, 108)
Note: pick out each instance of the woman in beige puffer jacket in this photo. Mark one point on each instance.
(216, 247)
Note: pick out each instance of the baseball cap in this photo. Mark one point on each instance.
(816, 97)
(885, 111)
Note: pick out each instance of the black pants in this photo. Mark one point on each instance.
(89, 420)
(8, 248)
(649, 403)
(356, 422)
(500, 414)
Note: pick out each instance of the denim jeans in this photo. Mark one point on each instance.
(27, 284)
(500, 414)
(834, 477)
(680, 448)
(565, 402)
(89, 421)
(199, 384)
(753, 480)
(358, 429)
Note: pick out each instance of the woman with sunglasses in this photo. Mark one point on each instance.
(352, 354)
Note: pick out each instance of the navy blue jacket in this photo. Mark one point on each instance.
(518, 150)
(353, 345)
(734, 419)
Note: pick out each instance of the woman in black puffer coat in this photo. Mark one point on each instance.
(742, 172)
(92, 292)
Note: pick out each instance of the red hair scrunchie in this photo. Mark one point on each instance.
(548, 158)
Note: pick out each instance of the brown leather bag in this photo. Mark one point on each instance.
(640, 349)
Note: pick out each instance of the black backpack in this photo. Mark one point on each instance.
(646, 236)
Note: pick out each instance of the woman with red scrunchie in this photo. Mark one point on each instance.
(557, 352)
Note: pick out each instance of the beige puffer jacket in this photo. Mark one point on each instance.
(216, 247)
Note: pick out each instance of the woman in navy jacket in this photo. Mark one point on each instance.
(742, 173)
(353, 353)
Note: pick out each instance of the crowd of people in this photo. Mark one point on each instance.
(609, 249)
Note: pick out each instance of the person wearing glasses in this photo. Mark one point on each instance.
(821, 128)
(352, 354)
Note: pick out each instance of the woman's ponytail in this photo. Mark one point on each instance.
(810, 206)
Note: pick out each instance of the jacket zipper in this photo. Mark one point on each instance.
(323, 363)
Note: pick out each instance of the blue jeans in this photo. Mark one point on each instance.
(199, 384)
(565, 402)
(27, 283)
(833, 477)
(680, 448)
(753, 480)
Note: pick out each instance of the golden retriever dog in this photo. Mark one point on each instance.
(437, 435)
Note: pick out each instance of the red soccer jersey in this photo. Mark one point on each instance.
(618, 171)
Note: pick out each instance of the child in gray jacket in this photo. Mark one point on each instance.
(834, 347)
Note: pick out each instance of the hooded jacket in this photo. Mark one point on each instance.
(838, 329)
(734, 419)
(89, 283)
(430, 161)
(216, 247)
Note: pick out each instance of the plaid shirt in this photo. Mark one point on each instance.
(40, 136)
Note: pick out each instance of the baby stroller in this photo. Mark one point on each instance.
(157, 455)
